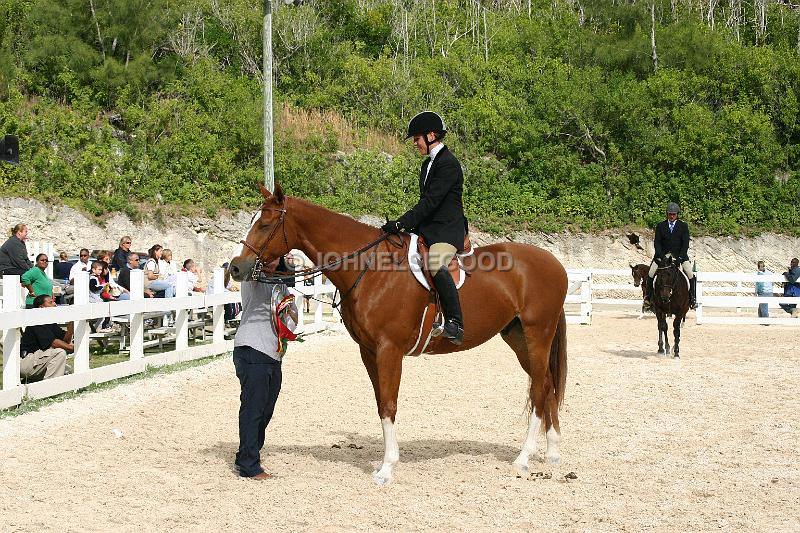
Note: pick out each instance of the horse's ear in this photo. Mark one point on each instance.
(631, 265)
(278, 194)
(264, 192)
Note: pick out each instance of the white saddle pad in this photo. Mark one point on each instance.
(418, 269)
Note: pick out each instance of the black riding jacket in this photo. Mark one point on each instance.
(676, 243)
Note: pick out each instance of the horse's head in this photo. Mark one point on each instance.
(266, 239)
(666, 277)
(638, 273)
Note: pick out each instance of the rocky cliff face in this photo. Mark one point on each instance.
(212, 241)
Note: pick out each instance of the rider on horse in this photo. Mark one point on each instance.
(672, 237)
(438, 215)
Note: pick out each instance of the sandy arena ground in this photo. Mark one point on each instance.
(709, 442)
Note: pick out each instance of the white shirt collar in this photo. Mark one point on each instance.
(435, 150)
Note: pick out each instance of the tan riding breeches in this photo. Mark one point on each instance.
(687, 268)
(439, 255)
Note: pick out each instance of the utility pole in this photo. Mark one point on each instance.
(269, 164)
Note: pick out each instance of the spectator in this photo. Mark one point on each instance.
(116, 291)
(120, 258)
(44, 348)
(36, 281)
(81, 266)
(232, 310)
(792, 287)
(168, 268)
(124, 279)
(763, 289)
(193, 274)
(153, 279)
(62, 269)
(14, 254)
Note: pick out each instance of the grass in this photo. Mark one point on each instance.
(29, 406)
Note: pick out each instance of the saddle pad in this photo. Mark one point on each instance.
(418, 269)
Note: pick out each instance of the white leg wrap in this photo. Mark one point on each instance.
(391, 453)
(529, 448)
(553, 454)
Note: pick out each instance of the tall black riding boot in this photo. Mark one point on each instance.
(648, 299)
(453, 328)
(693, 292)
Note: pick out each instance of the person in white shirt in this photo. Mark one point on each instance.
(193, 275)
(81, 265)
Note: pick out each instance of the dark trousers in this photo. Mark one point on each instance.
(260, 378)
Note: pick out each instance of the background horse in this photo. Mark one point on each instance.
(382, 305)
(670, 298)
(639, 273)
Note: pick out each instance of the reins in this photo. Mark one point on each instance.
(260, 276)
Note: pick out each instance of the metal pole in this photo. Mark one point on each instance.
(269, 167)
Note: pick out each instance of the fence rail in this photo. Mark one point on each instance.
(715, 291)
(13, 318)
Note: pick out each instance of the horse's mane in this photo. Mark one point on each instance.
(342, 221)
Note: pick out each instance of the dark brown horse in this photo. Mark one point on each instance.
(639, 273)
(382, 305)
(670, 298)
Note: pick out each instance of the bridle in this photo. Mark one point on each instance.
(259, 274)
(258, 265)
(671, 266)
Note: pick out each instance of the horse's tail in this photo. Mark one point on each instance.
(558, 359)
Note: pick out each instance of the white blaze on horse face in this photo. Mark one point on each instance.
(391, 453)
(247, 231)
(529, 448)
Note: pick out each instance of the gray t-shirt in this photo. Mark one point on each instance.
(256, 329)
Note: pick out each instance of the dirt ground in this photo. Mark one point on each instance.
(709, 442)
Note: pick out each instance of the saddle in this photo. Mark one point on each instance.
(418, 251)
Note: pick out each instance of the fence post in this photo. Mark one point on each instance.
(218, 312)
(182, 315)
(586, 299)
(136, 320)
(80, 337)
(698, 313)
(11, 337)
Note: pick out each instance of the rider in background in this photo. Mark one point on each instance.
(672, 237)
(438, 216)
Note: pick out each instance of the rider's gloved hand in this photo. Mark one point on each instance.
(392, 226)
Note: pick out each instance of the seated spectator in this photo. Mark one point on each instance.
(193, 274)
(115, 290)
(14, 253)
(124, 278)
(120, 258)
(81, 266)
(62, 268)
(44, 348)
(36, 281)
(153, 278)
(763, 289)
(792, 286)
(168, 268)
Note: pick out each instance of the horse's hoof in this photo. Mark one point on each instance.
(676, 356)
(521, 469)
(382, 476)
(660, 352)
(552, 459)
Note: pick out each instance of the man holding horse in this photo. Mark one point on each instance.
(438, 216)
(672, 237)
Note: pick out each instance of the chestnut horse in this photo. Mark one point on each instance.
(670, 298)
(382, 305)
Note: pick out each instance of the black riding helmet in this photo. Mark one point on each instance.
(424, 122)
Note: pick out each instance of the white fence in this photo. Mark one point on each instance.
(722, 297)
(13, 318)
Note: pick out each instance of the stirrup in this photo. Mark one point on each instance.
(450, 330)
